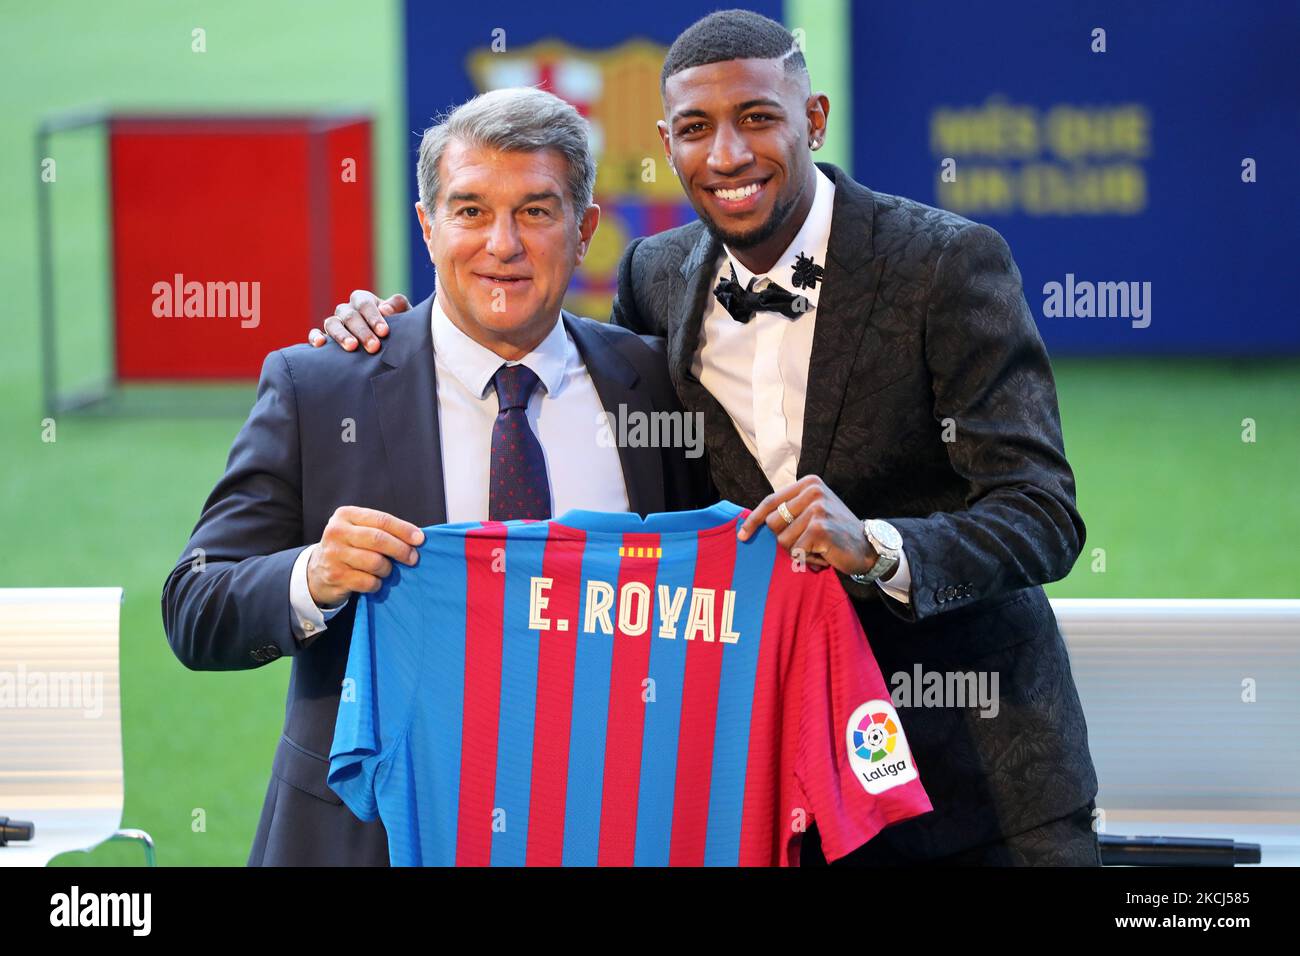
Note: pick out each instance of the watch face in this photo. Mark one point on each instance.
(886, 534)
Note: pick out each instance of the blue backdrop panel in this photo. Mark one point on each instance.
(1116, 167)
(602, 57)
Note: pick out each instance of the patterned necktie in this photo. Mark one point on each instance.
(517, 487)
(742, 302)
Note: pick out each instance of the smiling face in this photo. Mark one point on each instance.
(738, 133)
(504, 240)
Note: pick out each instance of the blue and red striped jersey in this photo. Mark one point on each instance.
(602, 689)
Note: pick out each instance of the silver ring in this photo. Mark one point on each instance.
(784, 512)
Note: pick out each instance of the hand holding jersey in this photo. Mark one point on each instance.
(356, 553)
(811, 522)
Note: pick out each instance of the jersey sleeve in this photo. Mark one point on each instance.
(854, 767)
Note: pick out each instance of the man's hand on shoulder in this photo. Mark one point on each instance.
(356, 553)
(360, 319)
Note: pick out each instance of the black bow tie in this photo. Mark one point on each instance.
(742, 302)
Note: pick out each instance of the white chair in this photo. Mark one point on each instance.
(61, 721)
(1193, 710)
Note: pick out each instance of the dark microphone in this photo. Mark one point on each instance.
(15, 830)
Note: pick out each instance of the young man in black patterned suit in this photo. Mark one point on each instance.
(873, 385)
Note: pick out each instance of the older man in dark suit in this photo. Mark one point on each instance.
(487, 404)
(872, 383)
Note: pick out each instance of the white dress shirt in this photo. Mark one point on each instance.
(758, 370)
(564, 412)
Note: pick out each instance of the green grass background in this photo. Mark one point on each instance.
(1180, 504)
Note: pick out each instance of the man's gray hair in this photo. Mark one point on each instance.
(517, 119)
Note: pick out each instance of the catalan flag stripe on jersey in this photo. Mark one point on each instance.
(599, 689)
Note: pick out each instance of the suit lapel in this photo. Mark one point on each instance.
(843, 311)
(615, 379)
(406, 392)
(684, 336)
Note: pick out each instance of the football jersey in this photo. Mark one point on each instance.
(602, 689)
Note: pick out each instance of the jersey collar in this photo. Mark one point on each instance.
(701, 519)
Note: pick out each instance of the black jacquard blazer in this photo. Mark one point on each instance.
(931, 403)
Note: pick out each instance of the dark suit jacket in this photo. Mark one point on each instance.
(288, 471)
(921, 322)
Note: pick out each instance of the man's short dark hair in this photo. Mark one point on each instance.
(732, 35)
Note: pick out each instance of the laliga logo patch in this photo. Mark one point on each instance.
(878, 751)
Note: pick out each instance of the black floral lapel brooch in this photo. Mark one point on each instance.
(807, 273)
